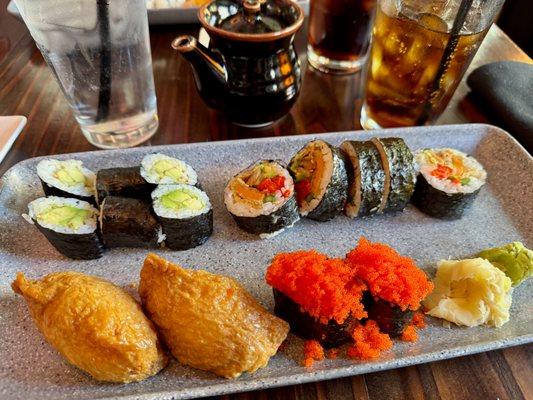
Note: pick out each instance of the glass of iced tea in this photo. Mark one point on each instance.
(420, 51)
(339, 33)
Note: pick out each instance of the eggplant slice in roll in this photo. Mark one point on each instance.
(367, 178)
(67, 178)
(321, 180)
(185, 215)
(400, 173)
(261, 198)
(449, 182)
(70, 225)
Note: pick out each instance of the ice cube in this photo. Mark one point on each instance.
(432, 22)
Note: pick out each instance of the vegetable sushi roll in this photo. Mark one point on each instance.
(396, 286)
(449, 182)
(367, 178)
(161, 169)
(320, 298)
(70, 225)
(126, 222)
(321, 181)
(185, 214)
(122, 182)
(67, 178)
(261, 199)
(400, 173)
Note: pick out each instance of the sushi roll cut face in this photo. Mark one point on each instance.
(162, 169)
(450, 171)
(67, 176)
(449, 182)
(321, 181)
(68, 224)
(185, 215)
(261, 199)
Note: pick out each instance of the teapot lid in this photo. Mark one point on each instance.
(251, 20)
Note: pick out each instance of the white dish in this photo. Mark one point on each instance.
(10, 128)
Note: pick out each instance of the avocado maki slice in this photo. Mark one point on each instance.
(400, 173)
(366, 178)
(122, 182)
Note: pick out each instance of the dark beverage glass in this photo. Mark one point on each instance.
(339, 34)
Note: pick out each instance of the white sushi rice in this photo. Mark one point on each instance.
(147, 170)
(44, 204)
(165, 212)
(476, 179)
(47, 169)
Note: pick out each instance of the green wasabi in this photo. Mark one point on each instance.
(64, 215)
(179, 199)
(514, 259)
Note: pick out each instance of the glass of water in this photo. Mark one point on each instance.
(99, 51)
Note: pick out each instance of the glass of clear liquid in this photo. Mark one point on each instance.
(99, 52)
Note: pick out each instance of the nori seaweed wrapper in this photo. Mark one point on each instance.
(307, 327)
(371, 174)
(54, 191)
(390, 318)
(402, 173)
(283, 217)
(336, 193)
(127, 222)
(122, 182)
(78, 247)
(183, 234)
(440, 204)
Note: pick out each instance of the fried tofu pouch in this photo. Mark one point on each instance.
(95, 325)
(209, 321)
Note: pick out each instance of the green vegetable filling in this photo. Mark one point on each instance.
(181, 199)
(70, 175)
(169, 168)
(66, 216)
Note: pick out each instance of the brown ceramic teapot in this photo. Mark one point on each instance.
(250, 71)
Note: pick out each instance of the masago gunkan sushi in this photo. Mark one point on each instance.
(261, 198)
(69, 224)
(449, 182)
(321, 180)
(160, 169)
(67, 178)
(126, 222)
(185, 214)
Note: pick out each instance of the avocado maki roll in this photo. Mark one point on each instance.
(127, 222)
(69, 224)
(67, 178)
(366, 178)
(321, 180)
(122, 182)
(400, 173)
(261, 199)
(160, 169)
(449, 182)
(185, 214)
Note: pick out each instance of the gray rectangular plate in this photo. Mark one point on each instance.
(31, 369)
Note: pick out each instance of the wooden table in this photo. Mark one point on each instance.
(326, 103)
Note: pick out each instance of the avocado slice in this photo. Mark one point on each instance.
(63, 215)
(70, 175)
(179, 199)
(170, 168)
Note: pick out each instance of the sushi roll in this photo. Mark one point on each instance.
(400, 173)
(127, 222)
(448, 183)
(69, 224)
(67, 178)
(321, 180)
(185, 215)
(160, 169)
(122, 182)
(366, 178)
(395, 285)
(319, 297)
(261, 199)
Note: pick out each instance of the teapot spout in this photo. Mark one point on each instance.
(208, 69)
